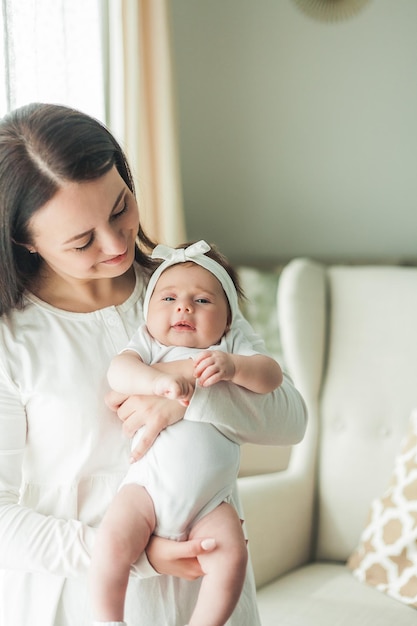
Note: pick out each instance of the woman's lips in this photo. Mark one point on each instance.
(116, 259)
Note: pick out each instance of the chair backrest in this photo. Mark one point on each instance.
(349, 336)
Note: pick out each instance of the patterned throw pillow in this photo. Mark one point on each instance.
(387, 553)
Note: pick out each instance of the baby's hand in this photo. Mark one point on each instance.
(212, 366)
(174, 388)
(114, 399)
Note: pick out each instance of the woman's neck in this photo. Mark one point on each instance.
(84, 297)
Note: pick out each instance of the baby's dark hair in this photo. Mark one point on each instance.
(215, 254)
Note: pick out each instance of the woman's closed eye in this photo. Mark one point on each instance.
(114, 216)
(121, 212)
(86, 245)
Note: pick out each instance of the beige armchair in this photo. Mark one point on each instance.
(349, 336)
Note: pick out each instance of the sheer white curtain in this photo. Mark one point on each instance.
(111, 59)
(51, 51)
(141, 104)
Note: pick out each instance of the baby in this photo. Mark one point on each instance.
(181, 487)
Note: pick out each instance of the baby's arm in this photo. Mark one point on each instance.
(129, 375)
(258, 373)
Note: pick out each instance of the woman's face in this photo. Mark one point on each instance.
(88, 229)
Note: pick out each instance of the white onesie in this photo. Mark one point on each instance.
(192, 467)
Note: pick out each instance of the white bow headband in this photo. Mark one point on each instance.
(196, 254)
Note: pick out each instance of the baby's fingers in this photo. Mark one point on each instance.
(187, 394)
(210, 376)
(203, 365)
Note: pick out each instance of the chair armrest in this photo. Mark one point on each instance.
(278, 514)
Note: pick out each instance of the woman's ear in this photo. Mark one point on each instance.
(28, 246)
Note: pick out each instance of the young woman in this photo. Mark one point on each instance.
(74, 264)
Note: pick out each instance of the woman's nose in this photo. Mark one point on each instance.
(113, 242)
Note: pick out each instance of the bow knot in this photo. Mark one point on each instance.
(196, 253)
(180, 255)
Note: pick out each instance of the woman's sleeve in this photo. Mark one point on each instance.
(29, 540)
(276, 418)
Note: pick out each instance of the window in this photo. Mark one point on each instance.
(52, 51)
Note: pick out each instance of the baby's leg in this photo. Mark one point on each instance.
(224, 568)
(122, 537)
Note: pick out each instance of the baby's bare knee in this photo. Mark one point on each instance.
(238, 556)
(114, 548)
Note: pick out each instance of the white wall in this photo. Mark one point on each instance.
(298, 137)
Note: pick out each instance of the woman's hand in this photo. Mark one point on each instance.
(152, 412)
(178, 558)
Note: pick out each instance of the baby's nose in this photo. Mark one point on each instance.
(184, 306)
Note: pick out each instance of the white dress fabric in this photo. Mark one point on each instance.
(63, 456)
(192, 467)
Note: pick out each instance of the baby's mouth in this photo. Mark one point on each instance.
(183, 326)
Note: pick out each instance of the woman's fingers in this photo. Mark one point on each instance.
(178, 558)
(149, 433)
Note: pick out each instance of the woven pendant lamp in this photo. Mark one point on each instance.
(331, 10)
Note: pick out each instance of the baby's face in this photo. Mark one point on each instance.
(188, 307)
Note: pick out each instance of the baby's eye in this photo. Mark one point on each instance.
(202, 300)
(169, 299)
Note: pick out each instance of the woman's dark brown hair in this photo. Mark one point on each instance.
(42, 146)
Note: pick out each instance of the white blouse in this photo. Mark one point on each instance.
(63, 455)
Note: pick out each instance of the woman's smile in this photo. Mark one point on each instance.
(116, 259)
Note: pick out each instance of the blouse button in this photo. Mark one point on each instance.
(112, 320)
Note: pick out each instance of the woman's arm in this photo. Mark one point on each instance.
(33, 542)
(29, 540)
(276, 418)
(151, 413)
